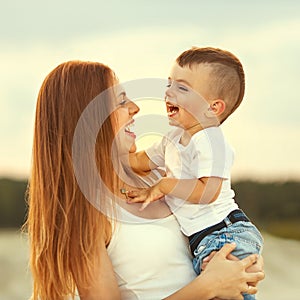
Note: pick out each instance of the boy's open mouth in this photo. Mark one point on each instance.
(172, 109)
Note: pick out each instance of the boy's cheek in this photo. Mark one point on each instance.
(196, 106)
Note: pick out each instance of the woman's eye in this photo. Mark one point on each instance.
(168, 85)
(122, 99)
(183, 88)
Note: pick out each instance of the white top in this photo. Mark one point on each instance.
(206, 155)
(151, 258)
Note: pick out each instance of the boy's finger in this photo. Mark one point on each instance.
(136, 199)
(132, 193)
(144, 205)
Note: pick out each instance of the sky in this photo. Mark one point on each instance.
(141, 39)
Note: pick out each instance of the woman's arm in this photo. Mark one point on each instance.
(222, 278)
(105, 287)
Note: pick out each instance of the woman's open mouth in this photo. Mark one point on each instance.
(128, 129)
(172, 109)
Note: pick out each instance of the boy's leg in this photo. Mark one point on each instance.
(246, 236)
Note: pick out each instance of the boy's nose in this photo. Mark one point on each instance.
(169, 93)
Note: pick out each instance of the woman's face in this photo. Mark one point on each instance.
(124, 111)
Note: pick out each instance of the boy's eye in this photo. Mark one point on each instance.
(179, 86)
(123, 102)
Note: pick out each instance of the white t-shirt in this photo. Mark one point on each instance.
(206, 155)
(151, 258)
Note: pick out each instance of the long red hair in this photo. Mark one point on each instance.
(65, 230)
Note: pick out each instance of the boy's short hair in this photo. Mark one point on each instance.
(227, 75)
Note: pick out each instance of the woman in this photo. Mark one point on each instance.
(72, 239)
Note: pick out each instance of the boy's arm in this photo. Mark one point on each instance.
(140, 162)
(198, 191)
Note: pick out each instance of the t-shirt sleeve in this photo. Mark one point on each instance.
(156, 152)
(213, 157)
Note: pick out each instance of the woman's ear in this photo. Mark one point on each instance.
(217, 107)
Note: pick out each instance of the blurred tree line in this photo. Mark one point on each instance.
(12, 202)
(274, 207)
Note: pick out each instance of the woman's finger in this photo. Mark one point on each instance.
(251, 290)
(209, 257)
(232, 257)
(255, 277)
(226, 250)
(249, 260)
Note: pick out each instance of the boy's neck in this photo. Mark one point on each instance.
(188, 133)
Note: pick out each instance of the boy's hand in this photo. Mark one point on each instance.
(145, 195)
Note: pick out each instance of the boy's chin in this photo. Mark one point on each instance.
(172, 122)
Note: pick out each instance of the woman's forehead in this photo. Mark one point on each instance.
(118, 89)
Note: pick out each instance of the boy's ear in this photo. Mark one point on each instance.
(217, 107)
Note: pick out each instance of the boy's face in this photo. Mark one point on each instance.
(187, 96)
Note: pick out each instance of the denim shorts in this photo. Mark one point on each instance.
(245, 235)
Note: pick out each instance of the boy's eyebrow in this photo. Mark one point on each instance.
(181, 81)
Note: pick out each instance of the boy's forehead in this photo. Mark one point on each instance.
(194, 70)
(191, 74)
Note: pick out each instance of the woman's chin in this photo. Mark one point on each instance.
(132, 148)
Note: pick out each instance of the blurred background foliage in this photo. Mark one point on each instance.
(273, 206)
(12, 202)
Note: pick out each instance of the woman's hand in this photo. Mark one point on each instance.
(256, 267)
(230, 276)
(222, 278)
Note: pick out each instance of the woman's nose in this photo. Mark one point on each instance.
(133, 108)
